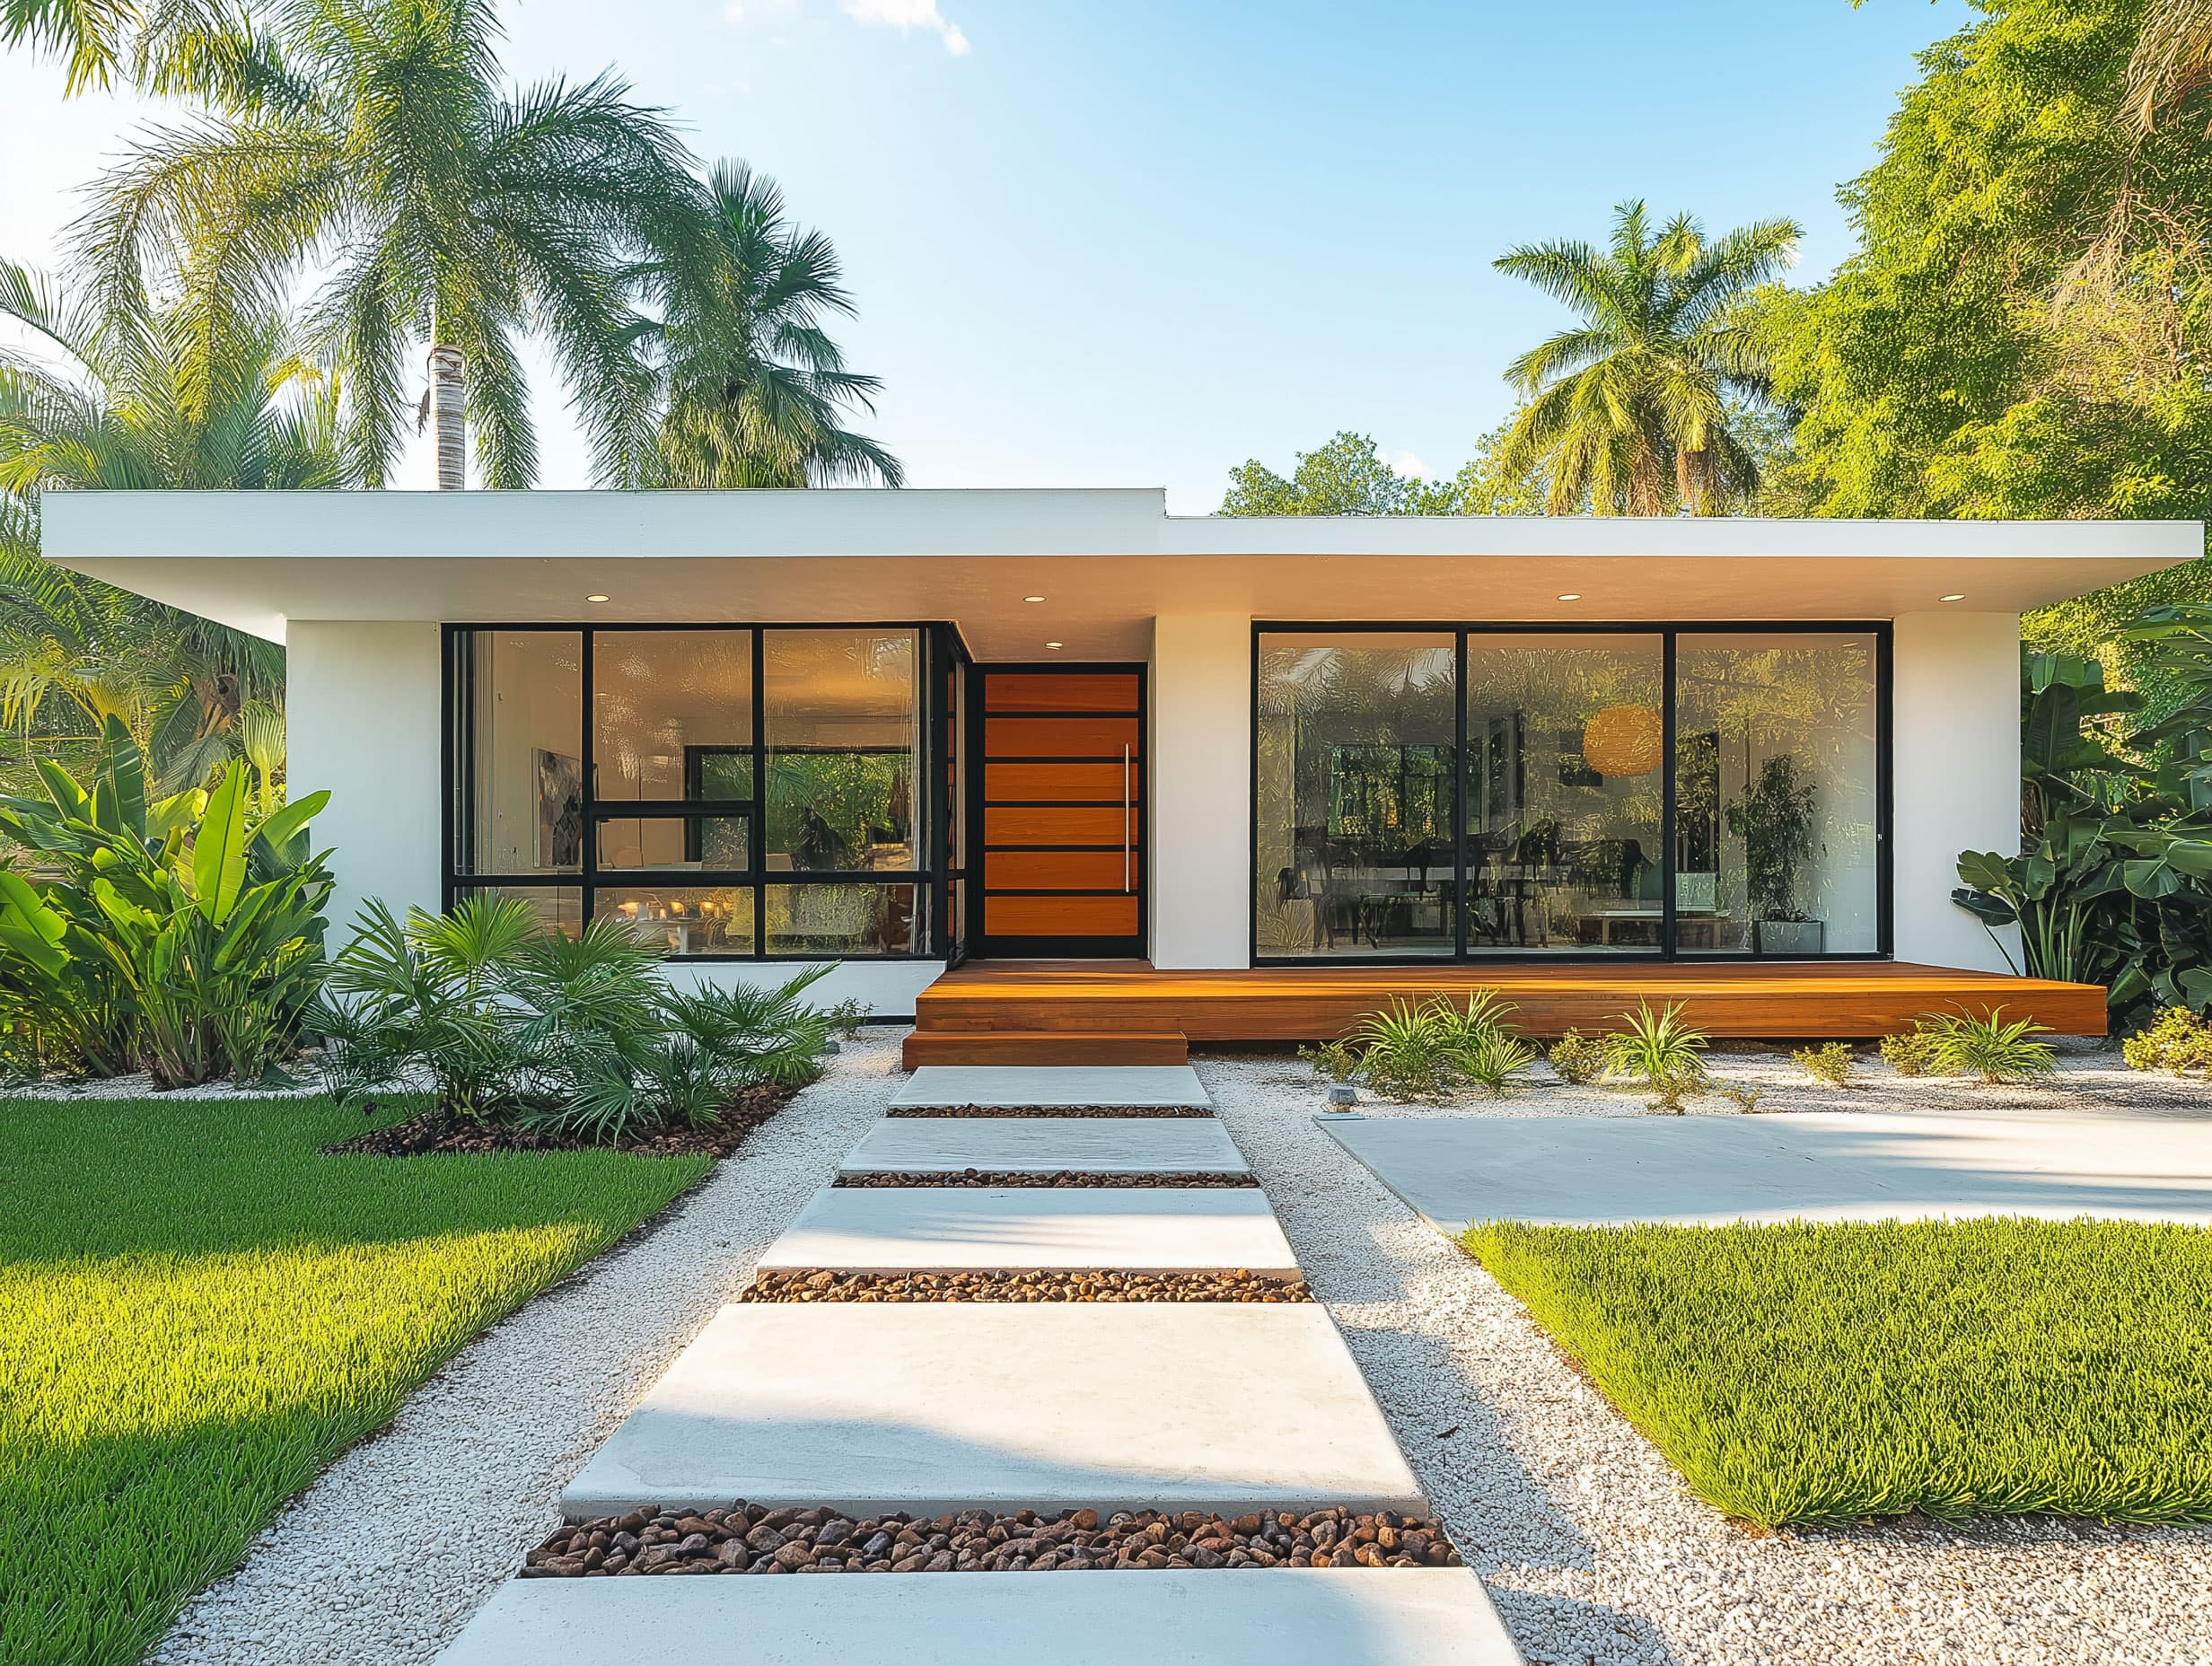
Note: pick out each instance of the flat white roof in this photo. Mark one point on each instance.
(1107, 561)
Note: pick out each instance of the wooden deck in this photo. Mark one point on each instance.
(1017, 1012)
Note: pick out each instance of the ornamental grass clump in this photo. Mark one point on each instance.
(1663, 1052)
(1831, 1063)
(1408, 1052)
(1990, 1049)
(1913, 1053)
(2177, 1039)
(579, 1036)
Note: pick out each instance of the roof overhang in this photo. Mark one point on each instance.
(1107, 562)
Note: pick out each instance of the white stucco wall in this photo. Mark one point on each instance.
(1956, 775)
(361, 704)
(1200, 827)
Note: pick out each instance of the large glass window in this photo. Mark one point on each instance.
(1565, 793)
(1354, 756)
(733, 792)
(1568, 829)
(1774, 794)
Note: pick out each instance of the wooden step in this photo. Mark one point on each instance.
(1044, 1046)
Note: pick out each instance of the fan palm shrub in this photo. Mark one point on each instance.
(507, 1023)
(179, 937)
(1636, 409)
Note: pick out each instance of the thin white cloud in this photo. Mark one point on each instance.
(905, 14)
(1406, 465)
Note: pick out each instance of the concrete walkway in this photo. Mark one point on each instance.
(1809, 1165)
(1034, 1228)
(932, 1407)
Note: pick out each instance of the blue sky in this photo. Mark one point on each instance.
(1134, 244)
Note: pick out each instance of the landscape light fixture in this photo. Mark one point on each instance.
(1959, 597)
(1054, 645)
(1032, 598)
(1570, 595)
(596, 598)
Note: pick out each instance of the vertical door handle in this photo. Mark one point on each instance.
(1124, 817)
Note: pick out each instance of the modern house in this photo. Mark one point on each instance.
(1080, 749)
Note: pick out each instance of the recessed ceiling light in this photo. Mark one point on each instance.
(1053, 644)
(1032, 598)
(1570, 595)
(595, 598)
(1959, 597)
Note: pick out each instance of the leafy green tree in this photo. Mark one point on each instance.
(149, 400)
(1346, 476)
(2024, 329)
(1633, 406)
(755, 391)
(436, 207)
(203, 46)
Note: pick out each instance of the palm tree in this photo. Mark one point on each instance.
(1632, 407)
(444, 211)
(754, 391)
(209, 47)
(139, 402)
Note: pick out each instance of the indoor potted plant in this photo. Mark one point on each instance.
(1774, 818)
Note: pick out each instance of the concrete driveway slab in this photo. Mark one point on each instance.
(933, 1407)
(1023, 1087)
(1322, 1616)
(1031, 1229)
(1807, 1165)
(1046, 1146)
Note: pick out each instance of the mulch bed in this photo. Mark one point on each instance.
(1047, 1110)
(751, 1538)
(1233, 1285)
(436, 1131)
(1071, 1179)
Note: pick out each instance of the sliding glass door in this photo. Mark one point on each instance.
(1649, 791)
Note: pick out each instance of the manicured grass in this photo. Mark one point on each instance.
(1808, 1373)
(199, 1309)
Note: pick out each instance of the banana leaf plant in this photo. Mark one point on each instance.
(2112, 883)
(175, 936)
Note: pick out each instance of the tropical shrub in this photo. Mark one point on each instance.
(1409, 1052)
(2177, 1039)
(848, 1017)
(1577, 1058)
(1913, 1053)
(2112, 883)
(1662, 1051)
(1332, 1059)
(1989, 1047)
(505, 1022)
(1404, 1051)
(1493, 1059)
(1830, 1063)
(175, 938)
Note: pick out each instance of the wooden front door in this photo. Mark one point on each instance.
(1063, 802)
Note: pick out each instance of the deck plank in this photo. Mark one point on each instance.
(1779, 1000)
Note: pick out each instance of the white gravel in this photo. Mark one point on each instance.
(1595, 1555)
(478, 1455)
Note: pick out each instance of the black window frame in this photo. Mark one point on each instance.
(1669, 632)
(938, 647)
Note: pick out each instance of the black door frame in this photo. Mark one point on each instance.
(983, 946)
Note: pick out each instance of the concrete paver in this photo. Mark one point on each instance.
(1802, 1165)
(1046, 1146)
(1025, 1229)
(1013, 1087)
(1322, 1617)
(934, 1407)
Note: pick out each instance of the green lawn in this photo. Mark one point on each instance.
(199, 1309)
(1808, 1373)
